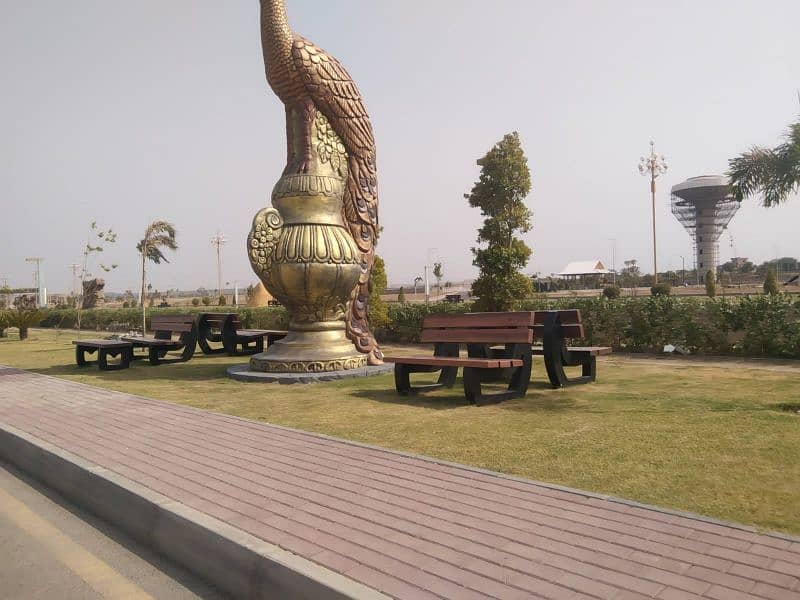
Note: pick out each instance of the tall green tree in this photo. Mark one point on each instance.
(771, 283)
(157, 236)
(377, 309)
(774, 173)
(500, 192)
(438, 273)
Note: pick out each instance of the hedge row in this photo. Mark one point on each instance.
(747, 326)
(127, 319)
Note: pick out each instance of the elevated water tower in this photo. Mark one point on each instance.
(704, 206)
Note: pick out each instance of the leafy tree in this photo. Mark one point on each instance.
(500, 192)
(401, 297)
(377, 310)
(711, 284)
(631, 272)
(158, 235)
(438, 273)
(771, 283)
(772, 172)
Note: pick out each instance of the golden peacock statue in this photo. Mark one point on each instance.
(314, 249)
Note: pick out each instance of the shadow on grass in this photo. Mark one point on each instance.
(785, 407)
(198, 369)
(540, 398)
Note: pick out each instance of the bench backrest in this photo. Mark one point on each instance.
(522, 327)
(570, 319)
(218, 320)
(172, 323)
(488, 328)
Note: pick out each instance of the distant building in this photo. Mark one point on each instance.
(583, 268)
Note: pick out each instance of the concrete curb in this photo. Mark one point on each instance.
(234, 561)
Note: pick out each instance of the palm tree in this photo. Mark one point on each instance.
(158, 235)
(772, 172)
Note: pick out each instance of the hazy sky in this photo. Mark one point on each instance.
(125, 112)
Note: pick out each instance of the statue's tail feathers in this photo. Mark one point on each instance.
(361, 216)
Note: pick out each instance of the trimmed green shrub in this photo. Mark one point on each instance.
(222, 300)
(611, 292)
(206, 301)
(195, 301)
(661, 289)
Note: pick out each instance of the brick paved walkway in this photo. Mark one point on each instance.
(407, 526)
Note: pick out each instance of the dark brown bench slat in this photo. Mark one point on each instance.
(570, 316)
(511, 335)
(101, 343)
(477, 363)
(474, 320)
(148, 341)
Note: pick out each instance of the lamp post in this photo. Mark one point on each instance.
(653, 166)
(219, 241)
(427, 278)
(613, 260)
(683, 270)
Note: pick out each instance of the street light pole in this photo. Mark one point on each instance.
(653, 165)
(219, 241)
(613, 261)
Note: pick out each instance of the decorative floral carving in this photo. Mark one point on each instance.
(316, 366)
(263, 238)
(329, 145)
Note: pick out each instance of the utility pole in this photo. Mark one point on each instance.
(653, 166)
(38, 260)
(683, 270)
(613, 260)
(427, 278)
(219, 241)
(76, 269)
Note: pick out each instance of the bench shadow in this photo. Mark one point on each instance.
(199, 368)
(541, 397)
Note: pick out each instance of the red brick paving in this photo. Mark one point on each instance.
(409, 527)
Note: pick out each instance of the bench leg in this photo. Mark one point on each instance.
(589, 369)
(125, 357)
(402, 378)
(154, 354)
(80, 356)
(472, 386)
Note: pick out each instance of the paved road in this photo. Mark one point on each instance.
(52, 549)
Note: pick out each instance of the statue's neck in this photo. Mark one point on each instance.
(274, 24)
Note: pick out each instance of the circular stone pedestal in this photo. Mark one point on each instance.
(243, 373)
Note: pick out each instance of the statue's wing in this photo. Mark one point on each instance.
(335, 95)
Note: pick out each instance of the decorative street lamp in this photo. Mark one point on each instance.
(653, 165)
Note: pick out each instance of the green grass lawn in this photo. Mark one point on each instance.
(717, 440)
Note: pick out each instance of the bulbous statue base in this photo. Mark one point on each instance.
(317, 350)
